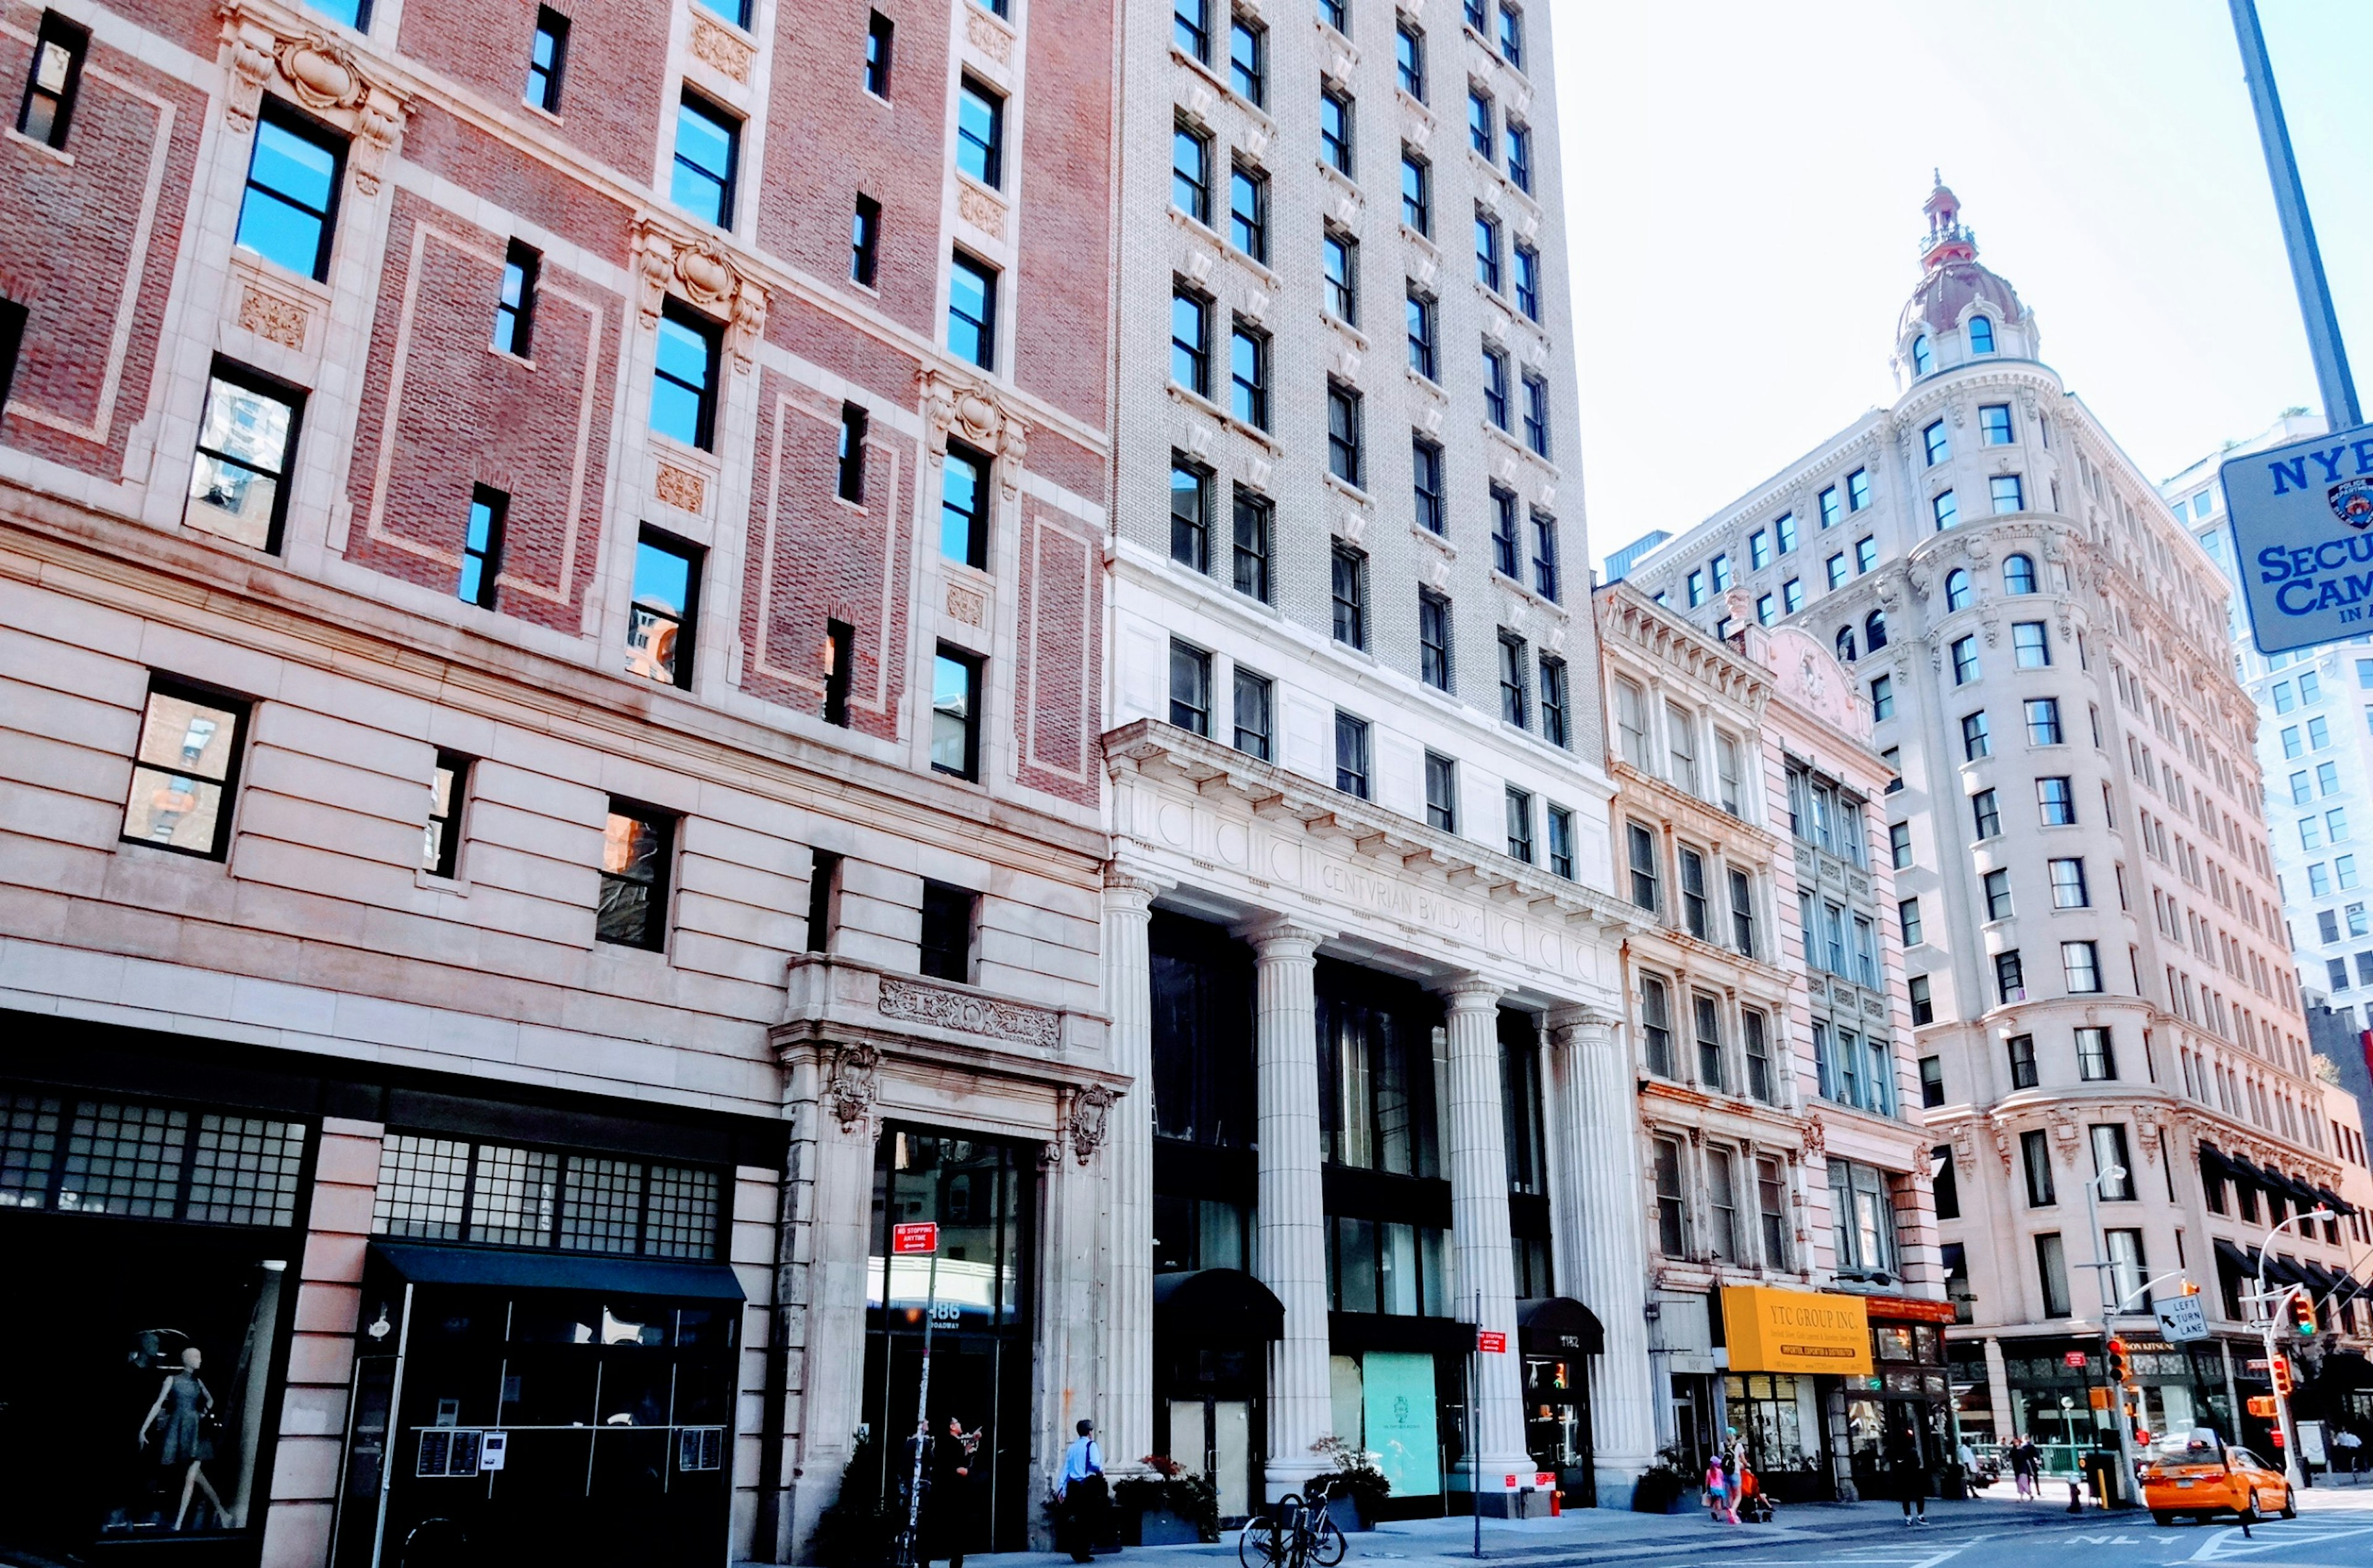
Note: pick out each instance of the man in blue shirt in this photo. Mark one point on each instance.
(1080, 1493)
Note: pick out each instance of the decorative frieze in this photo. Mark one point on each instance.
(966, 1012)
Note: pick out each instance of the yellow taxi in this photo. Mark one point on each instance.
(2193, 1472)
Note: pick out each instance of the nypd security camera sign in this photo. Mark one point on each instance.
(2303, 533)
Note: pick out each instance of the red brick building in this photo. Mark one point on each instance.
(550, 576)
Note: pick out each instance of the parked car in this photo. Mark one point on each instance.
(2198, 1473)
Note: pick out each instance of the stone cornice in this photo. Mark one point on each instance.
(849, 1003)
(1630, 620)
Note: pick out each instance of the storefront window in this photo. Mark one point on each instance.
(500, 1195)
(1777, 1416)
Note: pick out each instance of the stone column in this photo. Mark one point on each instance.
(1478, 1159)
(1604, 1251)
(1998, 1390)
(1292, 1217)
(1129, 1322)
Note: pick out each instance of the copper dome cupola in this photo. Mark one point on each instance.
(1961, 310)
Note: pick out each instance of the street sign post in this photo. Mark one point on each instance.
(919, 1240)
(913, 1240)
(2182, 1319)
(2302, 520)
(1491, 1344)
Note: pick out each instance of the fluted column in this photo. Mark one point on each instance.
(1292, 1219)
(1477, 1159)
(1604, 1243)
(1128, 1324)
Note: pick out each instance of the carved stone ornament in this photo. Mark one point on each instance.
(988, 36)
(1965, 1148)
(712, 45)
(854, 1084)
(1091, 1120)
(967, 605)
(919, 1001)
(975, 414)
(981, 210)
(271, 317)
(683, 490)
(2002, 1144)
(697, 271)
(318, 74)
(1817, 1139)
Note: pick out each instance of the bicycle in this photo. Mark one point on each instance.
(1297, 1533)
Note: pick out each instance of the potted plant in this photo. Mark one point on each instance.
(853, 1531)
(1357, 1486)
(1174, 1506)
(1665, 1487)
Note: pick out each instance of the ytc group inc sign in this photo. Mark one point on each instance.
(2302, 519)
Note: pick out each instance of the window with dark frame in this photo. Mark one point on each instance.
(980, 135)
(1248, 374)
(1441, 793)
(840, 657)
(54, 81)
(1253, 535)
(1345, 458)
(823, 886)
(1190, 339)
(548, 60)
(662, 628)
(1190, 687)
(708, 152)
(1335, 129)
(1487, 251)
(1248, 210)
(1352, 761)
(638, 855)
(1528, 282)
(1190, 513)
(850, 463)
(865, 240)
(185, 771)
(288, 212)
(1495, 387)
(515, 305)
(1190, 28)
(1409, 57)
(481, 546)
(1561, 820)
(964, 507)
(949, 916)
(1556, 720)
(684, 376)
(1536, 414)
(1480, 136)
(1514, 681)
(1417, 193)
(1251, 714)
(972, 311)
(1433, 502)
(879, 33)
(734, 11)
(1190, 172)
(448, 785)
(1339, 257)
(1421, 344)
(1545, 556)
(955, 712)
(13, 318)
(1248, 59)
(1506, 547)
(1520, 824)
(1434, 639)
(1519, 137)
(1347, 582)
(246, 449)
(1336, 14)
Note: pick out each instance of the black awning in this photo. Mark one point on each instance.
(2213, 1161)
(1559, 1323)
(2242, 1263)
(1376, 1330)
(423, 1263)
(2335, 1201)
(2320, 1280)
(1219, 1306)
(2301, 1193)
(2286, 1271)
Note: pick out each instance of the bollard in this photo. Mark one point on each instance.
(2076, 1497)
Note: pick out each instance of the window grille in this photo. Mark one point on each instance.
(504, 1195)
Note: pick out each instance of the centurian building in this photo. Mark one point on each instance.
(554, 565)
(1780, 1153)
(1362, 943)
(2105, 1012)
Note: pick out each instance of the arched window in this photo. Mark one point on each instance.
(1846, 643)
(1922, 360)
(2019, 574)
(1874, 630)
(1981, 335)
(1956, 590)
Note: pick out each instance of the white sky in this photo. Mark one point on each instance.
(1743, 182)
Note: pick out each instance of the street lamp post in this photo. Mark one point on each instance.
(2105, 1292)
(2264, 1300)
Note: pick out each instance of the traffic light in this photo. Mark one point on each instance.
(2262, 1406)
(2284, 1383)
(2302, 1315)
(2189, 1288)
(2120, 1368)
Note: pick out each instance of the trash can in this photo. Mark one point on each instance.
(2102, 1473)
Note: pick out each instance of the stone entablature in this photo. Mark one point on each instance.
(847, 1004)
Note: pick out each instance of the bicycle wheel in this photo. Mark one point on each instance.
(1328, 1542)
(1260, 1544)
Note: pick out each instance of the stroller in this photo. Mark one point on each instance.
(1754, 1505)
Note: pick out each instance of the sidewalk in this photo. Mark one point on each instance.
(1605, 1535)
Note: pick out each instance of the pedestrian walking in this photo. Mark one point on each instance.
(1907, 1473)
(1081, 1495)
(947, 1496)
(1717, 1492)
(1967, 1458)
(2026, 1465)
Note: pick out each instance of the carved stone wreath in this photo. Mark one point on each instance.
(1091, 1120)
(853, 1085)
(699, 271)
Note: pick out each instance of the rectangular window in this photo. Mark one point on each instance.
(2030, 645)
(1252, 713)
(1249, 210)
(185, 772)
(1528, 281)
(1965, 660)
(1434, 639)
(1924, 1003)
(1721, 1203)
(13, 317)
(1640, 847)
(2096, 1061)
(2080, 965)
(1899, 841)
(1672, 1204)
(1561, 841)
(1409, 58)
(1345, 458)
(1190, 170)
(1495, 387)
(1772, 1206)
(1742, 912)
(1511, 35)
(683, 377)
(288, 213)
(734, 11)
(481, 546)
(879, 33)
(1336, 14)
(1431, 498)
(1865, 554)
(964, 507)
(1947, 510)
(2068, 890)
(448, 783)
(1487, 251)
(849, 476)
(955, 714)
(1520, 154)
(660, 627)
(1339, 256)
(1985, 812)
(2043, 721)
(2035, 1156)
(1993, 424)
(1514, 681)
(1249, 60)
(638, 852)
(1707, 1018)
(972, 311)
(1190, 339)
(2022, 1061)
(246, 444)
(823, 877)
(1191, 515)
(1252, 544)
(707, 148)
(1347, 580)
(1421, 315)
(55, 80)
(980, 143)
(1335, 129)
(2108, 1142)
(1695, 907)
(1998, 903)
(1858, 489)
(2010, 977)
(1520, 824)
(2055, 801)
(1556, 722)
(865, 241)
(950, 915)
(840, 655)
(1248, 374)
(2006, 494)
(1505, 545)
(1190, 687)
(1351, 754)
(515, 305)
(1417, 193)
(2051, 1273)
(1882, 698)
(1907, 916)
(1481, 134)
(1792, 596)
(547, 59)
(1441, 793)
(1536, 414)
(1190, 28)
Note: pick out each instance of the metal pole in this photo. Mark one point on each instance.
(2323, 323)
(1475, 1424)
(2117, 1394)
(922, 1409)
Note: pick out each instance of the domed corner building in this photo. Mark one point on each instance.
(2099, 988)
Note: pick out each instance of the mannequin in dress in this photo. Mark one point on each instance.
(184, 1443)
